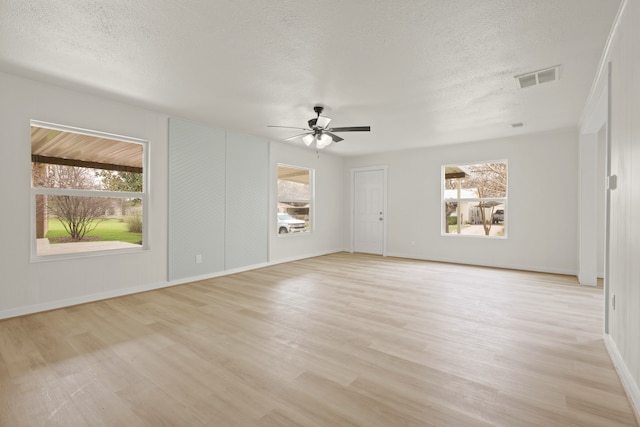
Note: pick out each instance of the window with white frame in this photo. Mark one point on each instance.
(474, 199)
(295, 199)
(88, 191)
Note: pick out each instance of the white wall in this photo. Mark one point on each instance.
(29, 287)
(26, 286)
(623, 320)
(542, 202)
(328, 221)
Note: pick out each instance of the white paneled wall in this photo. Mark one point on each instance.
(247, 201)
(624, 268)
(196, 199)
(218, 200)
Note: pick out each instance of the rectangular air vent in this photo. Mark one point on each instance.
(538, 77)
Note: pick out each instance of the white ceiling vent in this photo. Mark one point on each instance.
(538, 77)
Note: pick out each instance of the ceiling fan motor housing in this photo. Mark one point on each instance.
(318, 110)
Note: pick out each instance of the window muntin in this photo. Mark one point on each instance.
(88, 192)
(295, 200)
(474, 199)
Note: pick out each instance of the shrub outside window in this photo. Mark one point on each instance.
(474, 199)
(295, 199)
(88, 192)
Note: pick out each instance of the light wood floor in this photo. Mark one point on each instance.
(339, 340)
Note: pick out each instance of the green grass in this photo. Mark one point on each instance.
(113, 229)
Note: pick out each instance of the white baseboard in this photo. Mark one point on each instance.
(567, 272)
(52, 305)
(299, 257)
(249, 267)
(631, 387)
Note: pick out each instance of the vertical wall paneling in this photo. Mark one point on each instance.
(622, 270)
(196, 199)
(247, 201)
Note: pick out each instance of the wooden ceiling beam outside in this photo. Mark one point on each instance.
(84, 164)
(455, 175)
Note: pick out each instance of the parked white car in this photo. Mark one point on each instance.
(289, 224)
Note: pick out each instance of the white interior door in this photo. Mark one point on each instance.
(369, 211)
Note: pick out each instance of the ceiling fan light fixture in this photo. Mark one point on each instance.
(308, 139)
(323, 141)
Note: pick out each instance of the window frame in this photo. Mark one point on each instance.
(310, 201)
(143, 195)
(443, 201)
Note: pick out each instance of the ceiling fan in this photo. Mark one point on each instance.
(320, 132)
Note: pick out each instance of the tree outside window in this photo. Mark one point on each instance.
(87, 187)
(475, 199)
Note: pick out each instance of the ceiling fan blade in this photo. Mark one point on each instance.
(335, 137)
(351, 129)
(291, 138)
(287, 127)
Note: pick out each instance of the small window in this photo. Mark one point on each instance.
(295, 199)
(474, 199)
(88, 191)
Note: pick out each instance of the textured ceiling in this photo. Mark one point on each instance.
(419, 73)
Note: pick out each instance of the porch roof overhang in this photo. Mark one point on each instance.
(293, 174)
(451, 172)
(59, 147)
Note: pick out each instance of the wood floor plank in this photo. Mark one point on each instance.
(338, 340)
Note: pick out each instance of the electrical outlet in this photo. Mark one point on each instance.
(199, 259)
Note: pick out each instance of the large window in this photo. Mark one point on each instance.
(88, 191)
(474, 199)
(295, 199)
